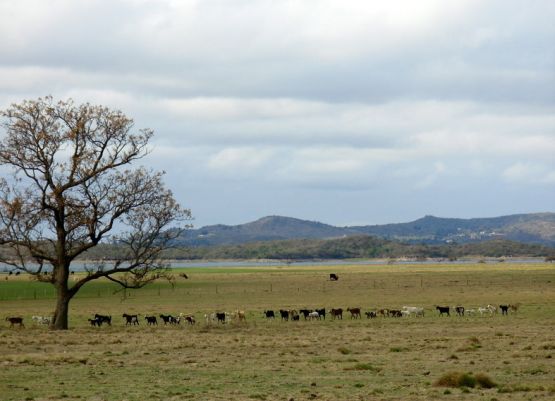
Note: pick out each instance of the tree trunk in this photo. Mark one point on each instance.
(60, 320)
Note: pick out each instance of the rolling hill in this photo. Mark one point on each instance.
(533, 228)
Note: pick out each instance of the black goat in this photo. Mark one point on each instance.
(443, 310)
(220, 316)
(103, 318)
(15, 320)
(96, 322)
(305, 312)
(169, 319)
(370, 315)
(131, 319)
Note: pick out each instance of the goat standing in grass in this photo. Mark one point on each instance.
(103, 318)
(131, 319)
(188, 318)
(15, 320)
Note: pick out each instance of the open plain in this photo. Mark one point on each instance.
(268, 359)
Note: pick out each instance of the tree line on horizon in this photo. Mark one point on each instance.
(360, 246)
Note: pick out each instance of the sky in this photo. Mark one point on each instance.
(344, 112)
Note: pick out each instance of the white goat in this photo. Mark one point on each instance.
(416, 310)
(482, 310)
(492, 308)
(42, 319)
(314, 315)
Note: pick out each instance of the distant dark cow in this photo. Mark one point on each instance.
(459, 310)
(284, 314)
(95, 322)
(295, 317)
(15, 320)
(322, 313)
(514, 307)
(443, 310)
(334, 277)
(131, 319)
(370, 315)
(269, 314)
(103, 318)
(336, 313)
(355, 313)
(305, 312)
(169, 319)
(220, 317)
(395, 313)
(151, 320)
(504, 309)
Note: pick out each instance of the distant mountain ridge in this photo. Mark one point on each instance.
(537, 228)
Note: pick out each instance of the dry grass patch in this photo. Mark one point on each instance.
(384, 358)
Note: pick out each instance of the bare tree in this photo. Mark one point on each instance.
(70, 186)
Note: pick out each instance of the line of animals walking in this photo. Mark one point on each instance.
(284, 314)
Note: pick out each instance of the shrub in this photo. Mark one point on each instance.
(450, 379)
(474, 340)
(459, 379)
(344, 351)
(364, 366)
(485, 381)
(536, 371)
(467, 380)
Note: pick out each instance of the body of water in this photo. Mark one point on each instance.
(80, 266)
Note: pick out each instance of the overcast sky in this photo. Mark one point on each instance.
(345, 112)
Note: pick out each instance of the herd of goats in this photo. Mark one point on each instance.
(285, 315)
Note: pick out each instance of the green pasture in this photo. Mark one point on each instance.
(367, 359)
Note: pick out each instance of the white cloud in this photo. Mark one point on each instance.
(431, 177)
(238, 160)
(530, 172)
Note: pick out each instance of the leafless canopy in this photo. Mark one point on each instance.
(70, 186)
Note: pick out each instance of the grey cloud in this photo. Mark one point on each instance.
(232, 49)
(346, 112)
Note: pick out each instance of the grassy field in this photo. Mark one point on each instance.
(377, 359)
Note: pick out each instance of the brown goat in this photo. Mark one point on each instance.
(355, 313)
